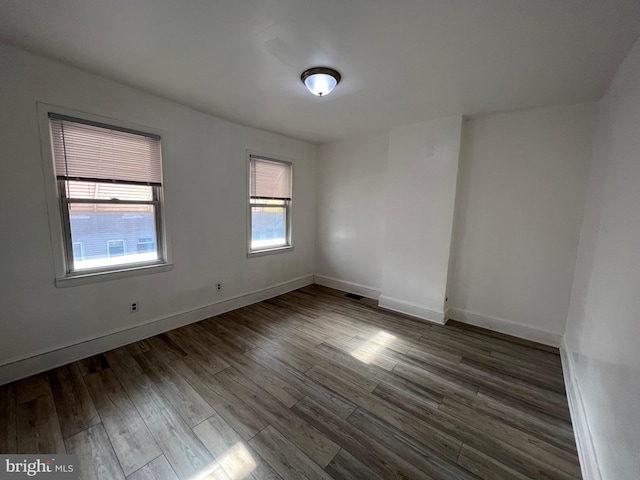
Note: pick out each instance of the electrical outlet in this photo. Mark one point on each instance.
(133, 307)
(218, 286)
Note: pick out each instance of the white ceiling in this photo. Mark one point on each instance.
(401, 61)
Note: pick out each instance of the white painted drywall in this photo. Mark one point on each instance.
(520, 199)
(520, 194)
(603, 327)
(205, 193)
(420, 194)
(351, 177)
(401, 61)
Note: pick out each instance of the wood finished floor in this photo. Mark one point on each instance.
(310, 384)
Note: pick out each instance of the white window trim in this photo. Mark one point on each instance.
(56, 229)
(281, 248)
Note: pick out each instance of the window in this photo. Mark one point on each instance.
(78, 251)
(146, 245)
(269, 204)
(115, 248)
(109, 188)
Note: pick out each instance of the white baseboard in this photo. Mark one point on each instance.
(584, 441)
(17, 368)
(345, 286)
(411, 309)
(508, 327)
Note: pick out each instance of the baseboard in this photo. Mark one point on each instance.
(411, 309)
(584, 441)
(17, 368)
(509, 327)
(345, 286)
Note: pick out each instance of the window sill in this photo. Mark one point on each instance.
(269, 251)
(87, 278)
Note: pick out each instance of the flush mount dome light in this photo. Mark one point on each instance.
(320, 80)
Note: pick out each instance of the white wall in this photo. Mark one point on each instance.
(520, 196)
(421, 189)
(518, 215)
(351, 213)
(205, 194)
(385, 215)
(603, 328)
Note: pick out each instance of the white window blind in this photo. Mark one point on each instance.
(92, 152)
(270, 180)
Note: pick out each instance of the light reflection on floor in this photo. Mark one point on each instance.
(373, 347)
(236, 463)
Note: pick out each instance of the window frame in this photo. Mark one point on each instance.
(57, 204)
(286, 204)
(66, 201)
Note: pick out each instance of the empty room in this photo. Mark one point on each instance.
(365, 239)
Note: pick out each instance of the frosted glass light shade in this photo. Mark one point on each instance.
(320, 84)
(320, 80)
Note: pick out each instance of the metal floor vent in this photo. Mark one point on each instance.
(354, 296)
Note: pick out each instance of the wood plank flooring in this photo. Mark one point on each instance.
(311, 384)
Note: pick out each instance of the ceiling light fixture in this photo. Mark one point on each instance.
(320, 80)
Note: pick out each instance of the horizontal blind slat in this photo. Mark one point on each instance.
(270, 179)
(93, 152)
